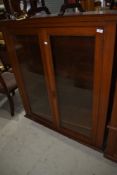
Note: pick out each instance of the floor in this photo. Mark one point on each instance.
(27, 148)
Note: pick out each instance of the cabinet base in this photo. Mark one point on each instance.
(114, 159)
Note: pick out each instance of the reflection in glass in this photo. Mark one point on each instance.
(73, 59)
(29, 57)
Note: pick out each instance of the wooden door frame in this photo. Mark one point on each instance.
(79, 31)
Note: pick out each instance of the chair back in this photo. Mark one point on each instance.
(4, 57)
(15, 6)
(37, 6)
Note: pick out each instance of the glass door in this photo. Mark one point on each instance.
(30, 61)
(76, 56)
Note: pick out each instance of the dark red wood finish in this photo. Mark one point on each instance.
(102, 27)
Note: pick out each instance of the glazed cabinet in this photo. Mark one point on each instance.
(64, 73)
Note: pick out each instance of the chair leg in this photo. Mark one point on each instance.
(11, 104)
(62, 10)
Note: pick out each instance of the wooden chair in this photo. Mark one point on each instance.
(113, 5)
(8, 86)
(70, 4)
(7, 79)
(13, 7)
(35, 9)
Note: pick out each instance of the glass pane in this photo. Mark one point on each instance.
(73, 59)
(29, 57)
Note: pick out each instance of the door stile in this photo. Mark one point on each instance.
(49, 75)
(97, 80)
(108, 58)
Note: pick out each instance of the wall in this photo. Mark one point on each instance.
(54, 5)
